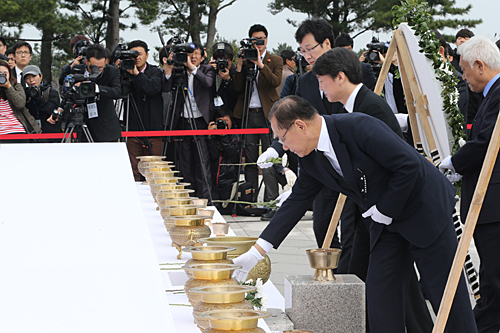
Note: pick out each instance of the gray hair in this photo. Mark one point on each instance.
(480, 48)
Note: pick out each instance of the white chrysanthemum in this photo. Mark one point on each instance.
(264, 302)
(461, 142)
(258, 285)
(249, 282)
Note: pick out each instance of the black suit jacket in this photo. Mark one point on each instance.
(106, 127)
(203, 92)
(399, 181)
(468, 160)
(369, 79)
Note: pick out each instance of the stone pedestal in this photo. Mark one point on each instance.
(326, 307)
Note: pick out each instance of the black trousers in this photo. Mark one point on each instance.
(487, 310)
(191, 164)
(389, 273)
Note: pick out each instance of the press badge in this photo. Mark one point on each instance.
(92, 108)
(39, 122)
(218, 102)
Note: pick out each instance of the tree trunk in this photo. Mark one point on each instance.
(46, 55)
(194, 21)
(212, 18)
(113, 28)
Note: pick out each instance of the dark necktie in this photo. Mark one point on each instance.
(329, 167)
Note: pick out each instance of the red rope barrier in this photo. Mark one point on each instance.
(143, 133)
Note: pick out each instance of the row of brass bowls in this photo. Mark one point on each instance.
(220, 298)
(144, 162)
(208, 275)
(234, 320)
(171, 185)
(207, 255)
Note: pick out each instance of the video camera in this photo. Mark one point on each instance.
(249, 52)
(373, 50)
(220, 61)
(180, 51)
(80, 49)
(301, 63)
(126, 56)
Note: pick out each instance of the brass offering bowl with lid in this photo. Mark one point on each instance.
(158, 166)
(323, 261)
(208, 275)
(220, 298)
(172, 193)
(263, 268)
(208, 255)
(170, 184)
(187, 230)
(245, 321)
(144, 162)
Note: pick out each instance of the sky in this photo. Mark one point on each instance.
(234, 21)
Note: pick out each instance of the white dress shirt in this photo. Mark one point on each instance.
(255, 99)
(325, 145)
(349, 105)
(190, 98)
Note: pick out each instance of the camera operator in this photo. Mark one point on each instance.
(224, 149)
(222, 62)
(269, 69)
(76, 43)
(146, 92)
(41, 99)
(101, 119)
(199, 80)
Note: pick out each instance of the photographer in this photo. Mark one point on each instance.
(224, 149)
(146, 92)
(194, 111)
(268, 68)
(222, 62)
(14, 116)
(41, 99)
(78, 45)
(101, 119)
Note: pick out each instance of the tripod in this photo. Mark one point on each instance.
(76, 123)
(179, 87)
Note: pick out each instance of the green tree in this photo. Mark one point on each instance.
(281, 47)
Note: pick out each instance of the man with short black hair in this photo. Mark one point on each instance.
(461, 37)
(146, 92)
(66, 69)
(288, 57)
(22, 54)
(11, 57)
(3, 46)
(224, 93)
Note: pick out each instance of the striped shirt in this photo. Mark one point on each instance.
(8, 121)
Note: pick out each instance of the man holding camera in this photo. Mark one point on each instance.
(193, 112)
(222, 62)
(146, 93)
(76, 44)
(41, 99)
(268, 70)
(101, 118)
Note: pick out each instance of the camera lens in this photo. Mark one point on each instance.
(86, 89)
(3, 79)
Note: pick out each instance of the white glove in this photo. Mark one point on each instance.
(377, 216)
(446, 165)
(248, 260)
(453, 176)
(403, 121)
(282, 197)
(269, 153)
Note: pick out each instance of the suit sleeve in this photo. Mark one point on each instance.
(272, 75)
(369, 77)
(205, 77)
(111, 88)
(149, 86)
(303, 193)
(239, 79)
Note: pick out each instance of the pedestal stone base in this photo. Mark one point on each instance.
(326, 307)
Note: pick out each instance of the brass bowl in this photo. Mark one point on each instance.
(180, 210)
(144, 162)
(323, 261)
(187, 236)
(183, 193)
(220, 229)
(223, 294)
(201, 307)
(164, 193)
(236, 320)
(201, 202)
(170, 201)
(242, 244)
(162, 187)
(169, 222)
(209, 252)
(206, 212)
(160, 174)
(159, 166)
(189, 220)
(212, 271)
(195, 298)
(163, 180)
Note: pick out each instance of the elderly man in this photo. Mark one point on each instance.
(480, 62)
(408, 200)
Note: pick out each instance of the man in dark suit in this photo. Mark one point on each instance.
(22, 55)
(408, 200)
(481, 70)
(268, 69)
(193, 112)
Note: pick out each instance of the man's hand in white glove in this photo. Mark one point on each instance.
(453, 176)
(377, 216)
(402, 119)
(446, 165)
(269, 153)
(282, 197)
(248, 260)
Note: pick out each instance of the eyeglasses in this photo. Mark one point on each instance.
(309, 50)
(283, 137)
(23, 52)
(260, 38)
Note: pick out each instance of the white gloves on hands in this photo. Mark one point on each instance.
(248, 260)
(282, 197)
(269, 153)
(377, 216)
(446, 165)
(403, 121)
(453, 176)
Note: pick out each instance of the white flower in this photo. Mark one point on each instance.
(264, 302)
(461, 142)
(249, 282)
(259, 288)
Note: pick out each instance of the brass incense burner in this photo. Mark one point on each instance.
(220, 298)
(323, 261)
(207, 255)
(208, 275)
(144, 162)
(246, 321)
(187, 230)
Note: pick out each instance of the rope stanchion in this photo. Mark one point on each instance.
(144, 133)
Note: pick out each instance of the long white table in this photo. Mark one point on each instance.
(174, 279)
